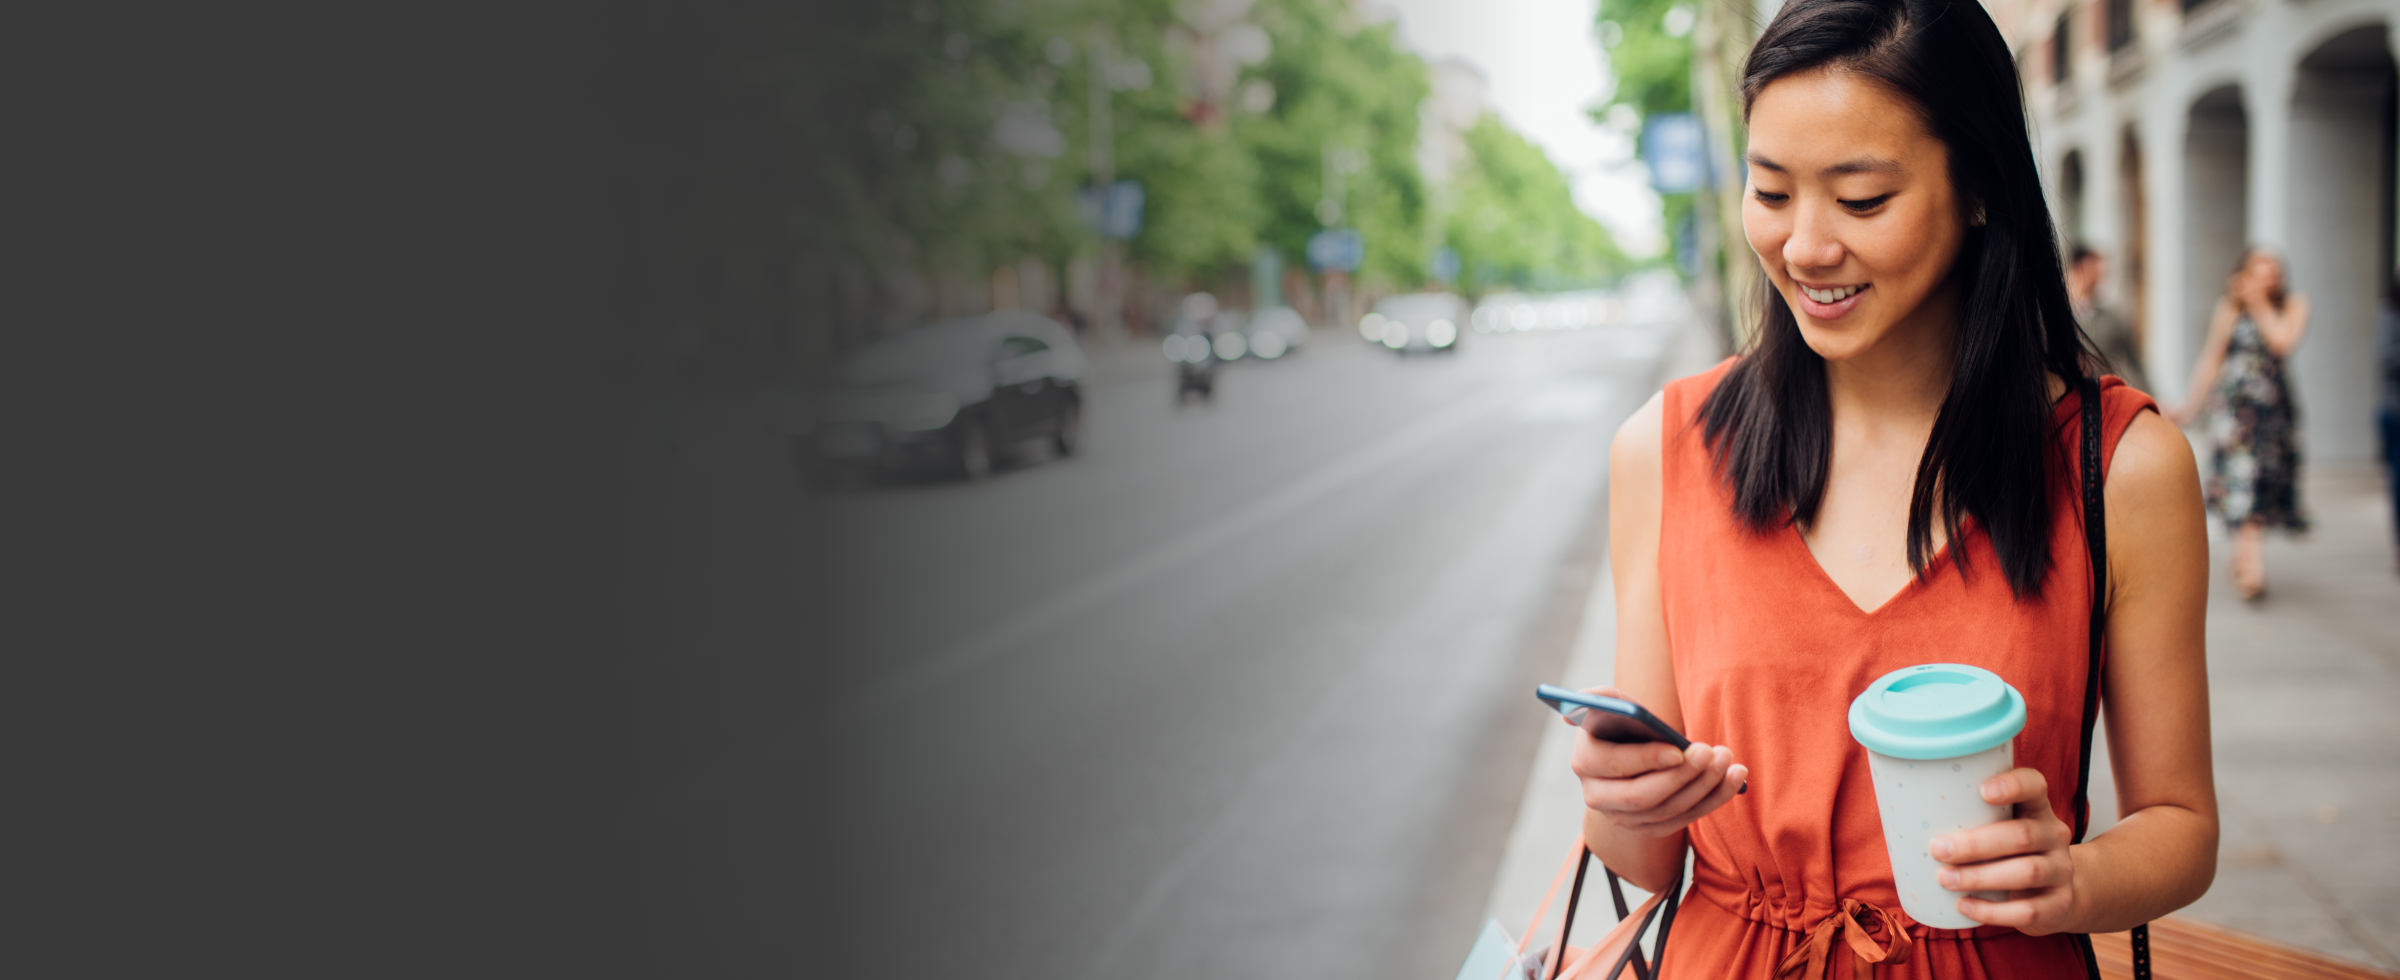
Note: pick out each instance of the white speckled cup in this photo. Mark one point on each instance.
(1933, 733)
(1921, 799)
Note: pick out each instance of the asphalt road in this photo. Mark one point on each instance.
(1240, 690)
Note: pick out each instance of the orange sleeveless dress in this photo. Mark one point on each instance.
(1768, 654)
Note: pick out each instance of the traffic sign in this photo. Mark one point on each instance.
(1677, 151)
(1336, 250)
(1119, 215)
(1445, 264)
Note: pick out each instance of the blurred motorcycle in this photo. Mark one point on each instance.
(1193, 343)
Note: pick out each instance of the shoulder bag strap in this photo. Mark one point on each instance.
(2095, 541)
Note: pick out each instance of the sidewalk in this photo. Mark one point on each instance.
(2305, 700)
(2304, 692)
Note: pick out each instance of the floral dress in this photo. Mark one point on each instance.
(2255, 473)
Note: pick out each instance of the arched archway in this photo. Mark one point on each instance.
(2341, 231)
(2216, 206)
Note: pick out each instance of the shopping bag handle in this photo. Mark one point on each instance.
(1621, 944)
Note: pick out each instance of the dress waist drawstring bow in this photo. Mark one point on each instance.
(1854, 924)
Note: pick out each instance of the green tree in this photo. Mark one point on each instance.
(1341, 85)
(1651, 61)
(829, 155)
(1514, 223)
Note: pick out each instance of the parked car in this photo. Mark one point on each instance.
(957, 395)
(1416, 322)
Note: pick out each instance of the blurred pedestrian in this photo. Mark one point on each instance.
(2387, 344)
(1888, 475)
(2241, 386)
(2108, 329)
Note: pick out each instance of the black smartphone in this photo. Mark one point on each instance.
(1610, 719)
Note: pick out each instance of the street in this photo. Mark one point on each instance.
(1243, 688)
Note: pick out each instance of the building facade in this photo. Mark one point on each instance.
(2172, 133)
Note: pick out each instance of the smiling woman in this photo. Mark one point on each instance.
(1832, 506)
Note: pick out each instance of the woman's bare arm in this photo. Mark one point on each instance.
(2162, 853)
(2281, 330)
(1639, 799)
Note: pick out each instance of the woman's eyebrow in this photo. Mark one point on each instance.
(1862, 165)
(1857, 165)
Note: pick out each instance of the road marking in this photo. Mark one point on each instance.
(1565, 482)
(1092, 592)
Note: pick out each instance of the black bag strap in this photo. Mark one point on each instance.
(1644, 968)
(2095, 543)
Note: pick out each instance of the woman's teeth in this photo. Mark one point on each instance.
(1834, 295)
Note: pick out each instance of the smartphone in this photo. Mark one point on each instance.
(1610, 719)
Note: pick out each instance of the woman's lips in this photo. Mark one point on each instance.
(1828, 311)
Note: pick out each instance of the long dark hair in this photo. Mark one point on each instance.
(1769, 423)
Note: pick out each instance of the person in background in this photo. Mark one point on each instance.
(2387, 348)
(2109, 330)
(2253, 421)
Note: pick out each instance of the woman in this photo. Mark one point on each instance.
(2254, 474)
(1887, 477)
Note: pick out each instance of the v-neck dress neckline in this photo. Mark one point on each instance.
(1816, 569)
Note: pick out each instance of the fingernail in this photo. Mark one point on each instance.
(1948, 879)
(1940, 849)
(1669, 758)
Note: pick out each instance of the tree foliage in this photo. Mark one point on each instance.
(829, 153)
(1653, 68)
(1514, 222)
(1652, 65)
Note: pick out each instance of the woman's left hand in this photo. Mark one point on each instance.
(2025, 856)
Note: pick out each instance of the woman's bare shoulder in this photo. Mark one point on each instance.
(2153, 464)
(1641, 440)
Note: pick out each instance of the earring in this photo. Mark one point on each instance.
(1977, 219)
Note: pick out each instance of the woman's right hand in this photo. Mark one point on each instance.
(1653, 789)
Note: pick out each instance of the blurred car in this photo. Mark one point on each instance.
(956, 395)
(1416, 322)
(1502, 312)
(1507, 312)
(1276, 331)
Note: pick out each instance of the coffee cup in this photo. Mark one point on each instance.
(1933, 733)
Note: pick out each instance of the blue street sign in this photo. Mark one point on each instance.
(1677, 152)
(1336, 250)
(1119, 216)
(1445, 264)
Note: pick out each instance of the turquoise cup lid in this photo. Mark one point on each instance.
(1936, 711)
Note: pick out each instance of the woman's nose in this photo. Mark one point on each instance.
(1812, 245)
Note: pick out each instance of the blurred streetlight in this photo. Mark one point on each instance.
(1106, 75)
(1339, 162)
